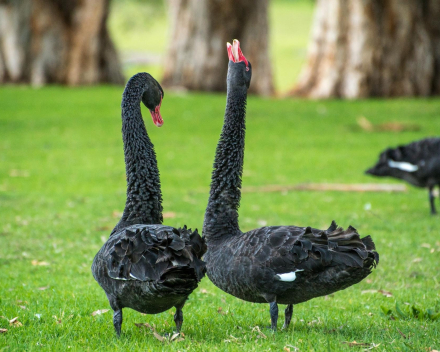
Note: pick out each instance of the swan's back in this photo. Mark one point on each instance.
(414, 152)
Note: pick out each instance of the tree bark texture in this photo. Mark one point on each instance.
(197, 58)
(367, 48)
(57, 41)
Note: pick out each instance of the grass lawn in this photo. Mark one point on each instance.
(62, 188)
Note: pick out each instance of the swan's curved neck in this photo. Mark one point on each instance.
(221, 217)
(144, 197)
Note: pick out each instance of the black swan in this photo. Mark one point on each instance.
(418, 163)
(144, 265)
(276, 264)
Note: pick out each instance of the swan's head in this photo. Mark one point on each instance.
(240, 69)
(381, 168)
(152, 99)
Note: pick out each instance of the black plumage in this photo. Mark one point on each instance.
(277, 264)
(144, 265)
(417, 163)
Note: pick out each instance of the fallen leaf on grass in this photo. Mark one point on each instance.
(175, 335)
(425, 245)
(233, 339)
(43, 288)
(203, 291)
(38, 263)
(99, 312)
(15, 322)
(2, 331)
(357, 344)
(294, 347)
(367, 126)
(169, 215)
(144, 325)
(157, 336)
(220, 311)
(257, 329)
(23, 307)
(60, 319)
(397, 127)
(287, 348)
(417, 260)
(315, 322)
(386, 293)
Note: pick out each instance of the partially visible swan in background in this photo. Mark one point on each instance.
(417, 163)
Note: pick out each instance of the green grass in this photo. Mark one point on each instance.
(138, 26)
(62, 180)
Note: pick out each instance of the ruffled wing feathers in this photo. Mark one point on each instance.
(151, 253)
(288, 248)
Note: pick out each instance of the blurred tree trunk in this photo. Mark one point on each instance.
(364, 48)
(197, 58)
(56, 41)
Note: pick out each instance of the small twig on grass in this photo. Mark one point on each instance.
(401, 333)
(339, 187)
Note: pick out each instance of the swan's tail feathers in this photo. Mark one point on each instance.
(332, 227)
(197, 245)
(368, 241)
(336, 245)
(157, 254)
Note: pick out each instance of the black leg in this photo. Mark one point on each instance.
(117, 321)
(274, 315)
(288, 316)
(178, 317)
(431, 200)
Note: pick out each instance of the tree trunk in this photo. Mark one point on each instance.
(365, 48)
(197, 58)
(56, 41)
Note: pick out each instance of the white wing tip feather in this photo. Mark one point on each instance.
(288, 277)
(402, 165)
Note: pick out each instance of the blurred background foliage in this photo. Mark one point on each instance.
(140, 31)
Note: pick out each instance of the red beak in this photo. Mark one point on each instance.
(234, 52)
(157, 118)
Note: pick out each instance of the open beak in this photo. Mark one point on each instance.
(234, 52)
(155, 114)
